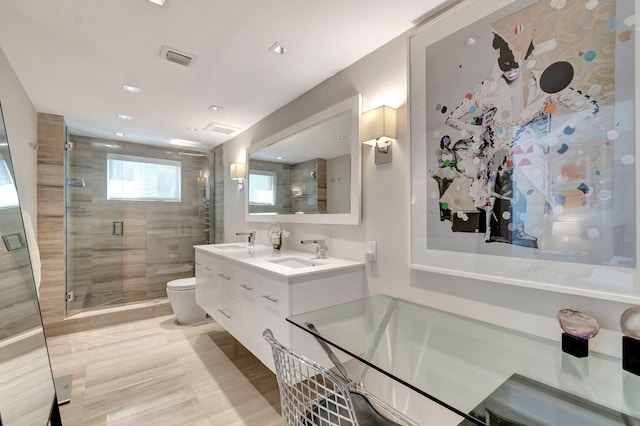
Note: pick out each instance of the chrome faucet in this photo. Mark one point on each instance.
(252, 237)
(321, 247)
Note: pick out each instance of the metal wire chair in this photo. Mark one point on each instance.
(312, 395)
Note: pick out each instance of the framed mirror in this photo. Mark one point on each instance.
(27, 391)
(309, 172)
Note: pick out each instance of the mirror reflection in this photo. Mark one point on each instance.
(312, 168)
(293, 175)
(27, 393)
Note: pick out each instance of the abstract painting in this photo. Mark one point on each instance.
(523, 132)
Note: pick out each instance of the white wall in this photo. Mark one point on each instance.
(381, 78)
(20, 119)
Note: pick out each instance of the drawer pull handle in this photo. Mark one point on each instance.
(224, 313)
(224, 276)
(246, 287)
(270, 299)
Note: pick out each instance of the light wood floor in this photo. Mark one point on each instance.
(155, 372)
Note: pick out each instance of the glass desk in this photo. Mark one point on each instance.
(485, 373)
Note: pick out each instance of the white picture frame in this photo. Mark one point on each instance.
(454, 61)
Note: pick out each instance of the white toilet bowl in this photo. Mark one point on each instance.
(182, 297)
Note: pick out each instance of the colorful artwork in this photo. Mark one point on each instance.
(529, 121)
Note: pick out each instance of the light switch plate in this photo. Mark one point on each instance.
(371, 252)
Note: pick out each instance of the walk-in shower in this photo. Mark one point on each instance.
(134, 213)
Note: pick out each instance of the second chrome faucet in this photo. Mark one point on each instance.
(252, 237)
(321, 247)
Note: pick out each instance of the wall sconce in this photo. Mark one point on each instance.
(238, 173)
(566, 231)
(378, 128)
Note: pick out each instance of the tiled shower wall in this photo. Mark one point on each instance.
(310, 180)
(301, 188)
(51, 219)
(157, 243)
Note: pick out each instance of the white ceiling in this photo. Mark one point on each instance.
(73, 56)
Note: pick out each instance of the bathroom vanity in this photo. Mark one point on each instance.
(249, 288)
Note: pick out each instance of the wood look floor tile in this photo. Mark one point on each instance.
(155, 371)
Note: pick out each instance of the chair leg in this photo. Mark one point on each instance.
(385, 409)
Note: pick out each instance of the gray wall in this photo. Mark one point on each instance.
(21, 122)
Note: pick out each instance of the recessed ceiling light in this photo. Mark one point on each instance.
(215, 108)
(125, 116)
(278, 48)
(158, 2)
(119, 134)
(129, 88)
(278, 158)
(193, 129)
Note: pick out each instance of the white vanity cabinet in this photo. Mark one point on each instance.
(247, 296)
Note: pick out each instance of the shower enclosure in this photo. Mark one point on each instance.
(134, 213)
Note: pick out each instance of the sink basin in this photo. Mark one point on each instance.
(296, 262)
(230, 246)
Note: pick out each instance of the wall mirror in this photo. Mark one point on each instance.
(309, 172)
(27, 392)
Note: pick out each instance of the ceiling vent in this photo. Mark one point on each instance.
(177, 57)
(220, 128)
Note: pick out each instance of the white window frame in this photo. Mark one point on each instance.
(274, 183)
(138, 188)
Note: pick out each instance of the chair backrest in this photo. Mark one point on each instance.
(310, 394)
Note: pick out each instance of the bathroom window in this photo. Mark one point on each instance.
(143, 178)
(262, 188)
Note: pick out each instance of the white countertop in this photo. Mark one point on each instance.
(263, 257)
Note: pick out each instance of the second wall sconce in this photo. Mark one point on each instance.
(378, 128)
(238, 173)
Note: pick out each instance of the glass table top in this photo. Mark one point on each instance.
(483, 372)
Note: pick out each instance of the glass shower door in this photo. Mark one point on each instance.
(173, 228)
(94, 228)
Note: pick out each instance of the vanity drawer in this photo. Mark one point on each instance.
(246, 289)
(272, 296)
(228, 315)
(224, 272)
(272, 308)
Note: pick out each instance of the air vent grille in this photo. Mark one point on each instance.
(176, 56)
(220, 128)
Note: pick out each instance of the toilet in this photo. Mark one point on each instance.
(182, 297)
